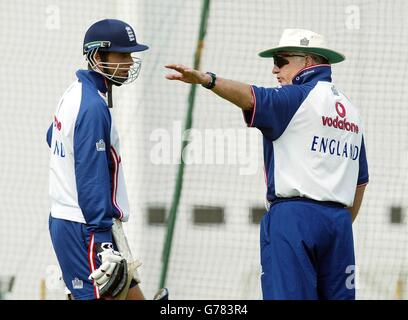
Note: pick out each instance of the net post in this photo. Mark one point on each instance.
(180, 173)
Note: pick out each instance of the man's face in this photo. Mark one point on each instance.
(119, 64)
(287, 65)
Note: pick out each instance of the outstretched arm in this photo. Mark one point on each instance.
(236, 92)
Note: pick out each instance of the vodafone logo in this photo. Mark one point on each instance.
(340, 122)
(57, 123)
(341, 110)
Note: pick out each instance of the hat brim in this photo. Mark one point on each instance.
(331, 55)
(137, 48)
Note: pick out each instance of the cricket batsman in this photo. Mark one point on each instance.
(87, 186)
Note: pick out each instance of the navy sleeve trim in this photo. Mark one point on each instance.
(49, 135)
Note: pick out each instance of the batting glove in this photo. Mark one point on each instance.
(109, 260)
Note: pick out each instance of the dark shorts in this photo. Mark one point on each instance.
(75, 250)
(307, 252)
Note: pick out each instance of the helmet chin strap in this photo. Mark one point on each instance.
(109, 92)
(109, 85)
(110, 102)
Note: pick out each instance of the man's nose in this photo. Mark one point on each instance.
(275, 69)
(129, 61)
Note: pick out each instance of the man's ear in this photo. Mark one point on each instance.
(309, 61)
(98, 57)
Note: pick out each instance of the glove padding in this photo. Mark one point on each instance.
(117, 282)
(111, 276)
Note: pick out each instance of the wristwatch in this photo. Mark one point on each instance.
(211, 84)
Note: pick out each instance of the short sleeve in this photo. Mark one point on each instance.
(363, 166)
(274, 108)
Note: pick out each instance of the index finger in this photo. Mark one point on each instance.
(177, 67)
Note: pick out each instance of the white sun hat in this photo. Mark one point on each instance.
(306, 41)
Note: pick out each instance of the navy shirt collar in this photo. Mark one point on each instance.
(95, 78)
(320, 72)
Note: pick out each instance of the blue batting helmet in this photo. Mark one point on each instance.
(111, 35)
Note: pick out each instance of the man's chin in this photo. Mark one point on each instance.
(118, 81)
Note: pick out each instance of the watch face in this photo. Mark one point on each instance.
(211, 84)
